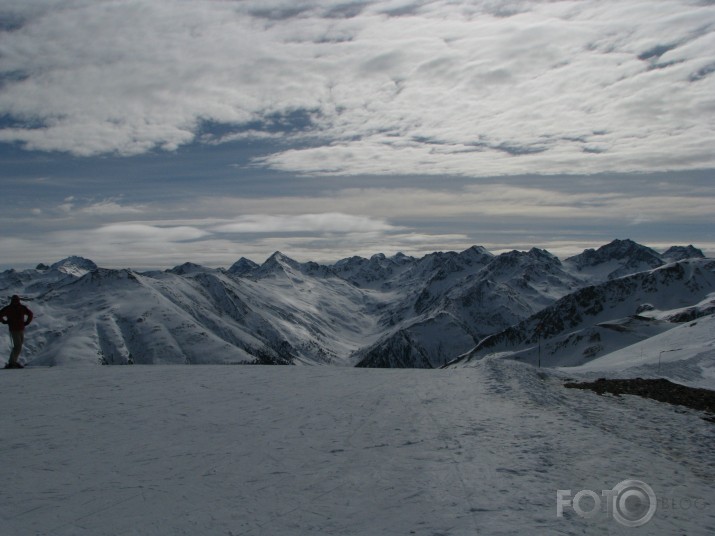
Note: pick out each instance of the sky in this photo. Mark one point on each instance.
(148, 133)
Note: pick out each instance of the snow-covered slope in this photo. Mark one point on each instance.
(397, 311)
(460, 298)
(190, 315)
(614, 316)
(685, 354)
(264, 451)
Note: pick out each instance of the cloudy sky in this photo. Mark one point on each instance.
(146, 133)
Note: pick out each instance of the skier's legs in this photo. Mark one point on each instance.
(18, 337)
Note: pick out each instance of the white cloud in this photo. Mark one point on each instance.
(67, 205)
(82, 208)
(109, 207)
(381, 208)
(134, 233)
(329, 222)
(442, 87)
(564, 218)
(167, 243)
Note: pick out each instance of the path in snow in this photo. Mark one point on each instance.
(303, 450)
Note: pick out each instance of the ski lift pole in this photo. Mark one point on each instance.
(538, 335)
(539, 349)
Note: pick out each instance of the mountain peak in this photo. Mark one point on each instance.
(279, 256)
(401, 258)
(617, 258)
(277, 262)
(187, 268)
(621, 249)
(242, 266)
(538, 253)
(477, 250)
(74, 265)
(680, 253)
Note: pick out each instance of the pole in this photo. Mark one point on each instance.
(538, 334)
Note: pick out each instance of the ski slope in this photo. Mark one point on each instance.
(685, 354)
(257, 450)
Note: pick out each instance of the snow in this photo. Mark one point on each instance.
(481, 448)
(381, 311)
(74, 266)
(251, 450)
(599, 320)
(685, 354)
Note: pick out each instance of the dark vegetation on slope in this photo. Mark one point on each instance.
(658, 389)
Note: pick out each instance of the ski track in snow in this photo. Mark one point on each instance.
(241, 450)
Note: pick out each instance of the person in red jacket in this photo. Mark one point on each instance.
(17, 317)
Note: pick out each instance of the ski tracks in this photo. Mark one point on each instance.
(579, 440)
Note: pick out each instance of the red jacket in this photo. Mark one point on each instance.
(14, 316)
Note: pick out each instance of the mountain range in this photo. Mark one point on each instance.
(443, 309)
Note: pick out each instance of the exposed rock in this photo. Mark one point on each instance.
(658, 389)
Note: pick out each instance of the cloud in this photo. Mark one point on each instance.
(329, 222)
(217, 241)
(82, 208)
(206, 241)
(564, 217)
(132, 232)
(110, 207)
(534, 199)
(315, 219)
(67, 206)
(400, 87)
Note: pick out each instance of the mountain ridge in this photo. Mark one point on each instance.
(636, 298)
(379, 311)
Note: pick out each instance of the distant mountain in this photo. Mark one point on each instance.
(242, 266)
(382, 311)
(188, 268)
(457, 299)
(600, 319)
(619, 258)
(679, 253)
(77, 266)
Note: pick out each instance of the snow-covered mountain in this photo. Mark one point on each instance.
(381, 311)
(620, 257)
(457, 299)
(74, 265)
(347, 451)
(600, 319)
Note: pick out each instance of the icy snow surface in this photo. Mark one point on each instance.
(247, 450)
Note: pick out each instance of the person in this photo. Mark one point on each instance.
(17, 317)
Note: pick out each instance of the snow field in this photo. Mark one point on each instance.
(247, 450)
(685, 354)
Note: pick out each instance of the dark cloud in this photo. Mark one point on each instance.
(702, 73)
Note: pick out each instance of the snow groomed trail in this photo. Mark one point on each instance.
(249, 450)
